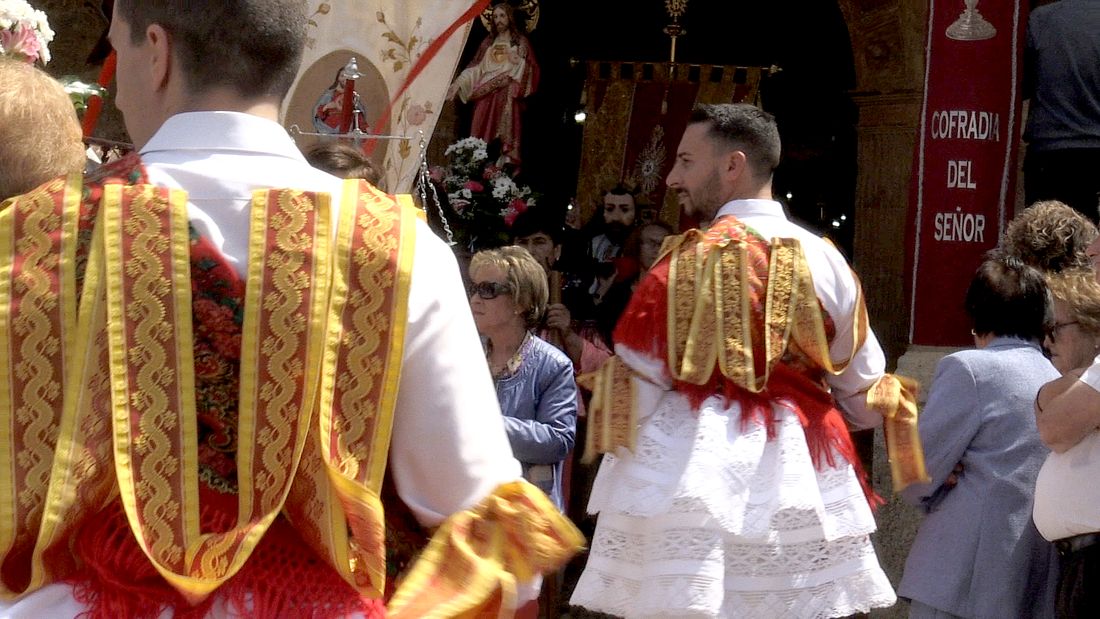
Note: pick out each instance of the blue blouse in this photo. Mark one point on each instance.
(539, 402)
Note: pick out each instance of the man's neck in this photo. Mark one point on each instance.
(227, 100)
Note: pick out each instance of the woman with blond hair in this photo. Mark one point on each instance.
(1074, 340)
(40, 137)
(534, 380)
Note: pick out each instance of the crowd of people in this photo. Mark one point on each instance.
(246, 381)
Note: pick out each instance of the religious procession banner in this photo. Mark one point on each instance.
(406, 52)
(965, 164)
(635, 115)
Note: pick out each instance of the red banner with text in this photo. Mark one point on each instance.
(964, 169)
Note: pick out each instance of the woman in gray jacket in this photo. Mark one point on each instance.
(977, 552)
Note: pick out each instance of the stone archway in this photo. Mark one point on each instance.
(888, 51)
(888, 44)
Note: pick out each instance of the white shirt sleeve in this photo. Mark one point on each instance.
(837, 288)
(1091, 376)
(449, 449)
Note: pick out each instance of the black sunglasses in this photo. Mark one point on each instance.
(489, 290)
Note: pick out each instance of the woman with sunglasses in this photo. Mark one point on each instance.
(534, 380)
(1074, 340)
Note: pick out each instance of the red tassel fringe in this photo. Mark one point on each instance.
(282, 578)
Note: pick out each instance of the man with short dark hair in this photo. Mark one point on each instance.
(730, 485)
(539, 232)
(256, 346)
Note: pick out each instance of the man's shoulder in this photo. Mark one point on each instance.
(127, 170)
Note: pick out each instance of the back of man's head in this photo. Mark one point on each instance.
(743, 127)
(251, 46)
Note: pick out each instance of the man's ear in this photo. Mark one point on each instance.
(735, 164)
(555, 255)
(160, 59)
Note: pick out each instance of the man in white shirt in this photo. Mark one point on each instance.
(742, 493)
(200, 86)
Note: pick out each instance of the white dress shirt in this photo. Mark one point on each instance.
(1067, 497)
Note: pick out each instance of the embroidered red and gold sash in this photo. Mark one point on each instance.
(737, 309)
(321, 353)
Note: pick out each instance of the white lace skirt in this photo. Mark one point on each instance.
(706, 521)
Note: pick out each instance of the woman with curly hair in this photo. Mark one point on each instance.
(1050, 236)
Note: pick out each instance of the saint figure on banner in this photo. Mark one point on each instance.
(502, 74)
(328, 112)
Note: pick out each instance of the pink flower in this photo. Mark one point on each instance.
(473, 185)
(437, 173)
(459, 205)
(518, 205)
(491, 172)
(417, 115)
(20, 41)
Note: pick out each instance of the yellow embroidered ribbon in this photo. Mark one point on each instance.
(335, 501)
(36, 335)
(82, 478)
(612, 418)
(477, 557)
(895, 398)
(152, 372)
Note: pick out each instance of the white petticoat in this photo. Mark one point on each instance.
(704, 521)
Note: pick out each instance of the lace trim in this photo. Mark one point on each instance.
(704, 519)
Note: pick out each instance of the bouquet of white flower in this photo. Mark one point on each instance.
(484, 198)
(25, 32)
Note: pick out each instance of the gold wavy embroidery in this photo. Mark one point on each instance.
(780, 302)
(368, 312)
(735, 352)
(143, 244)
(82, 475)
(287, 291)
(711, 308)
(612, 417)
(895, 398)
(37, 334)
(477, 557)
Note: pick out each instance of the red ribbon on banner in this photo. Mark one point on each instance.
(965, 162)
(95, 102)
(429, 54)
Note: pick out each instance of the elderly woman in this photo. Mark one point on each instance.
(534, 380)
(1074, 339)
(39, 133)
(977, 553)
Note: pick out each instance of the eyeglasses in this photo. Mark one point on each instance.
(1052, 333)
(489, 290)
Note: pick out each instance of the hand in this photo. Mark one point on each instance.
(953, 478)
(558, 318)
(452, 91)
